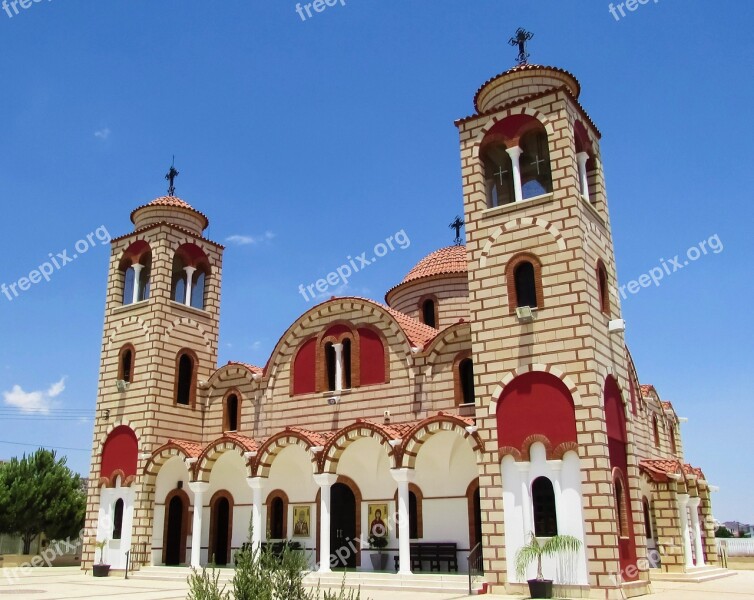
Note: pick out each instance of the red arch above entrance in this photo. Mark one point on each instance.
(120, 452)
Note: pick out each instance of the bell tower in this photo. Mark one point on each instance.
(547, 334)
(159, 344)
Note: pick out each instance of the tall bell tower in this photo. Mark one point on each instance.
(159, 343)
(547, 335)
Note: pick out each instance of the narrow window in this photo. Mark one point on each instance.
(466, 373)
(526, 290)
(128, 286)
(347, 364)
(413, 516)
(125, 365)
(602, 288)
(543, 501)
(498, 175)
(330, 365)
(118, 519)
(277, 518)
(536, 178)
(231, 413)
(620, 508)
(185, 381)
(656, 429)
(673, 441)
(647, 519)
(428, 313)
(179, 287)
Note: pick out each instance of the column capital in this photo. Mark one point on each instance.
(337, 347)
(198, 487)
(682, 499)
(256, 483)
(403, 475)
(582, 157)
(694, 501)
(325, 479)
(189, 270)
(514, 152)
(137, 267)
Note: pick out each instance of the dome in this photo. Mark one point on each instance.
(444, 261)
(170, 209)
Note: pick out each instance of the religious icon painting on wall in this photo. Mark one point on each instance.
(301, 520)
(378, 517)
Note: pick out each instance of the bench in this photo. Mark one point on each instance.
(433, 553)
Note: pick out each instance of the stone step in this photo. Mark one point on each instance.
(693, 575)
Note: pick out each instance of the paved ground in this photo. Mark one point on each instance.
(72, 584)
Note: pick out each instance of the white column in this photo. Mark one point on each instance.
(198, 488)
(697, 530)
(683, 502)
(528, 509)
(404, 477)
(581, 158)
(515, 154)
(338, 366)
(137, 282)
(257, 485)
(189, 279)
(325, 481)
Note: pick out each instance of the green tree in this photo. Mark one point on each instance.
(40, 494)
(723, 532)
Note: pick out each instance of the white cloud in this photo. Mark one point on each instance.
(34, 402)
(102, 134)
(246, 240)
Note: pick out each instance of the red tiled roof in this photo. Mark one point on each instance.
(315, 438)
(192, 449)
(660, 469)
(172, 201)
(444, 261)
(171, 225)
(250, 444)
(417, 332)
(252, 368)
(647, 389)
(668, 406)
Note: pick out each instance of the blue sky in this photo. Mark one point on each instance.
(314, 140)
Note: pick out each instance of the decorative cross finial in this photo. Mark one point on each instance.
(457, 224)
(522, 36)
(170, 177)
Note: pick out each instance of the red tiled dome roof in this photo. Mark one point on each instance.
(444, 261)
(172, 201)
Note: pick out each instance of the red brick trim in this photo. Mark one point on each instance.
(412, 487)
(268, 503)
(184, 524)
(211, 550)
(510, 280)
(194, 371)
(121, 366)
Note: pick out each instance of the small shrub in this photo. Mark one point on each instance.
(205, 585)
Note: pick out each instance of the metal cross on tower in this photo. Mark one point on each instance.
(522, 36)
(457, 224)
(170, 177)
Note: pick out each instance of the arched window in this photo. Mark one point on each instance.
(602, 288)
(656, 431)
(232, 413)
(466, 373)
(536, 177)
(429, 312)
(647, 519)
(330, 365)
(277, 515)
(526, 291)
(498, 175)
(347, 364)
(118, 519)
(620, 507)
(126, 363)
(543, 503)
(185, 379)
(135, 268)
(190, 272)
(673, 440)
(586, 162)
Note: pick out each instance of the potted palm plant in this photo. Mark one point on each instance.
(379, 543)
(534, 550)
(101, 569)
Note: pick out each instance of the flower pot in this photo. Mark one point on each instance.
(540, 588)
(379, 561)
(101, 570)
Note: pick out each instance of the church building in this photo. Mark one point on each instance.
(489, 396)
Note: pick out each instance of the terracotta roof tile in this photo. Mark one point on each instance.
(250, 444)
(172, 201)
(647, 389)
(171, 225)
(660, 469)
(444, 261)
(252, 368)
(315, 438)
(192, 449)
